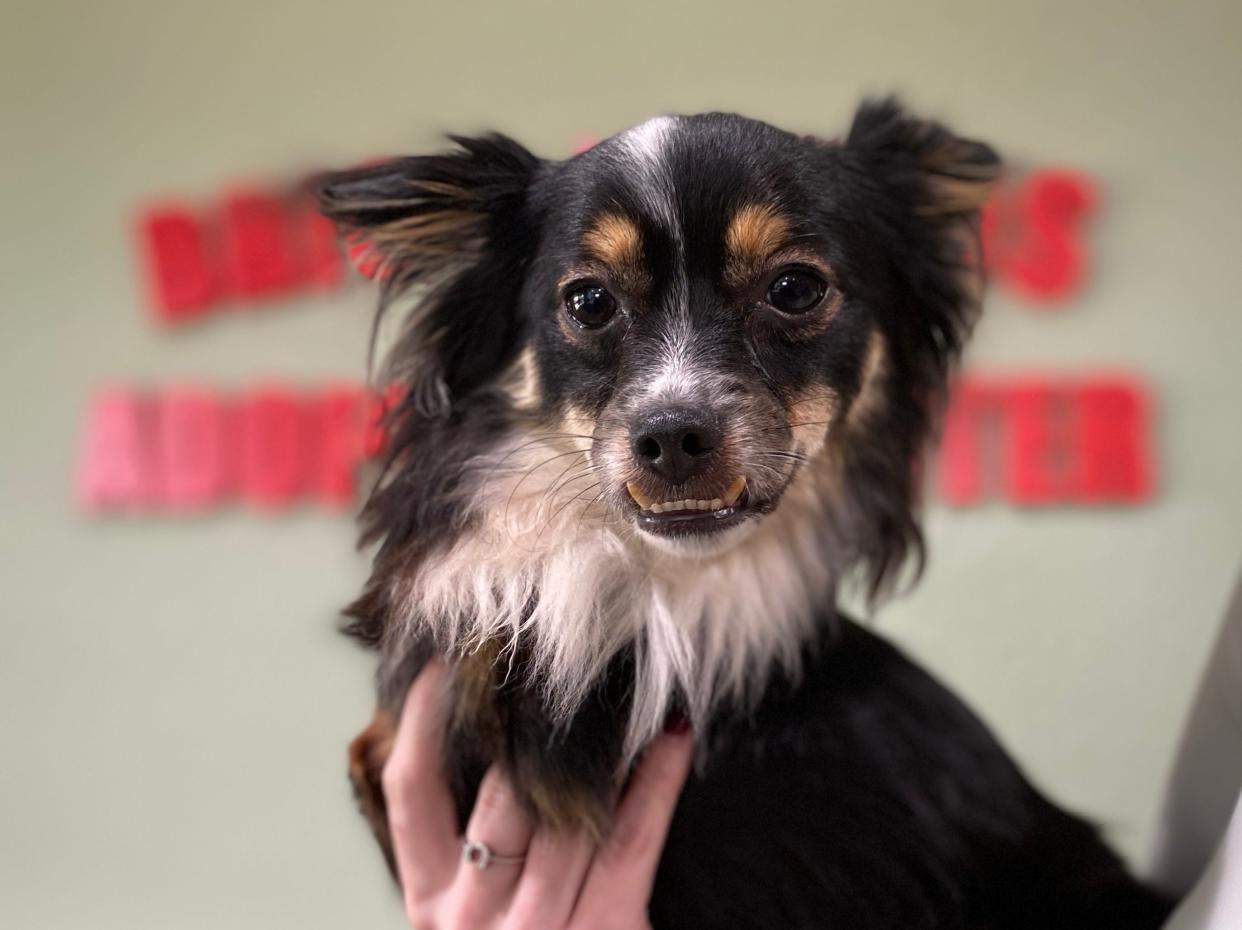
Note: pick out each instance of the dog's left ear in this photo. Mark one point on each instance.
(918, 189)
(940, 173)
(929, 185)
(455, 229)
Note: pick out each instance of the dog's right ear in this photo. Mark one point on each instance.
(457, 230)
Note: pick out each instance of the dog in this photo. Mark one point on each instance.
(664, 401)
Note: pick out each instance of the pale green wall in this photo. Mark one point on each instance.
(173, 701)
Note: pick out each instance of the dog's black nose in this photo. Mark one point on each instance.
(676, 443)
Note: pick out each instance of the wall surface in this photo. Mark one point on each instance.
(174, 702)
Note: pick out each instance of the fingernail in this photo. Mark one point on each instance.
(676, 723)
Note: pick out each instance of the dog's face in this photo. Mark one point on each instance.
(696, 307)
(703, 337)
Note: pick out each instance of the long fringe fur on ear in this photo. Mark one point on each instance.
(955, 175)
(930, 186)
(941, 181)
(427, 220)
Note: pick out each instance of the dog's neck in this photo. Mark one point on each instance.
(573, 586)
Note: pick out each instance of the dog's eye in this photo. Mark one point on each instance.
(796, 291)
(590, 305)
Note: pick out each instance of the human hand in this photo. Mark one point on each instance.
(538, 879)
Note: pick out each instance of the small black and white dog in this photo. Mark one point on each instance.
(664, 398)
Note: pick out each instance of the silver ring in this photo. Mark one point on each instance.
(481, 856)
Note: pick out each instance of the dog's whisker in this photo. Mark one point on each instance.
(567, 486)
(782, 454)
(509, 453)
(560, 509)
(792, 426)
(518, 448)
(591, 503)
(526, 476)
(554, 487)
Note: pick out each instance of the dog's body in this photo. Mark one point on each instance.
(664, 397)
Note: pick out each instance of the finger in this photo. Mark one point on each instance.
(555, 867)
(499, 822)
(421, 813)
(623, 871)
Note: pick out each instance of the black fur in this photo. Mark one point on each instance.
(868, 796)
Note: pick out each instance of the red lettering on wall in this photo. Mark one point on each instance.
(113, 469)
(1115, 465)
(192, 456)
(253, 246)
(341, 430)
(1033, 235)
(1040, 449)
(1058, 441)
(190, 448)
(258, 259)
(316, 244)
(962, 450)
(274, 447)
(180, 275)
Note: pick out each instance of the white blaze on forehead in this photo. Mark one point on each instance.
(644, 149)
(646, 141)
(642, 156)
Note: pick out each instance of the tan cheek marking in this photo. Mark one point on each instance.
(754, 233)
(617, 242)
(810, 414)
(870, 394)
(580, 425)
(522, 385)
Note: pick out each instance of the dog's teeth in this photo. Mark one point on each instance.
(716, 503)
(641, 499)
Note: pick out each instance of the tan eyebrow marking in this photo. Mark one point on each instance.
(617, 242)
(755, 232)
(870, 397)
